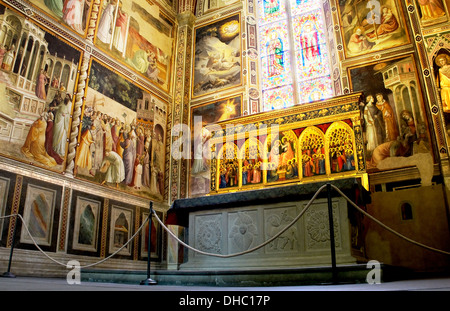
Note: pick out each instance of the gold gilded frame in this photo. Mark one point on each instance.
(328, 117)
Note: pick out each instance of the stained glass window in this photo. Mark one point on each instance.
(294, 53)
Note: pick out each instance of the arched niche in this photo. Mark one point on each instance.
(340, 147)
(252, 159)
(227, 167)
(311, 153)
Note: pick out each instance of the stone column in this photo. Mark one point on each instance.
(180, 112)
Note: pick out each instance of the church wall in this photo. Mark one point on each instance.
(154, 81)
(80, 196)
(398, 63)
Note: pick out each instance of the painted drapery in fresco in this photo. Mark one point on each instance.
(38, 76)
(395, 122)
(370, 26)
(121, 142)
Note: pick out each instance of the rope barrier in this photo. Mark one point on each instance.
(294, 221)
(65, 265)
(234, 254)
(251, 249)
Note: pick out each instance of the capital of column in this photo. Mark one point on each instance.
(186, 18)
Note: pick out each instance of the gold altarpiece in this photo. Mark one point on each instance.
(307, 143)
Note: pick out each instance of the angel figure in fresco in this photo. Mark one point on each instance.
(431, 9)
(73, 14)
(443, 61)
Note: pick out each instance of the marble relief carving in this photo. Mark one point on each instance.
(208, 237)
(243, 231)
(317, 227)
(275, 221)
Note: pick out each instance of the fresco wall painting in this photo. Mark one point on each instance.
(218, 57)
(121, 141)
(369, 26)
(139, 35)
(394, 116)
(201, 116)
(37, 82)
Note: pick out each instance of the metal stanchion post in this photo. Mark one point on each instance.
(149, 281)
(332, 242)
(8, 273)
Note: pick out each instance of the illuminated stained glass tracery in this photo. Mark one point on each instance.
(297, 72)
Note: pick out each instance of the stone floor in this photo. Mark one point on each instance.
(53, 284)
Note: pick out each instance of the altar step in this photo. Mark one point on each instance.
(346, 274)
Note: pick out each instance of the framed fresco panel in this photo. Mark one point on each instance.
(217, 63)
(201, 116)
(39, 209)
(86, 225)
(120, 32)
(73, 14)
(121, 228)
(4, 191)
(369, 26)
(395, 118)
(39, 76)
(122, 137)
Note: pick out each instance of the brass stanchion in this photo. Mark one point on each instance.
(8, 273)
(149, 281)
(332, 243)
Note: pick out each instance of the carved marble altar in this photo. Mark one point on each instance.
(231, 223)
(264, 168)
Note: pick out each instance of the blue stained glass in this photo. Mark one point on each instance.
(309, 53)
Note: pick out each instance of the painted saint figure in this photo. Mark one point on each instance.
(431, 9)
(443, 61)
(374, 124)
(34, 146)
(388, 24)
(275, 53)
(120, 30)
(105, 27)
(42, 81)
(388, 117)
(56, 6)
(61, 125)
(84, 159)
(115, 172)
(73, 14)
(358, 42)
